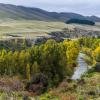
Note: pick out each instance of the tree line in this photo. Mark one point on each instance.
(80, 21)
(52, 59)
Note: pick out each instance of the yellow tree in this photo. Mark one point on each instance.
(96, 54)
(72, 53)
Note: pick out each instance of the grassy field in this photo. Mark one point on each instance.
(32, 29)
(88, 27)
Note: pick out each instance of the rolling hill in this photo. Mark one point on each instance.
(8, 11)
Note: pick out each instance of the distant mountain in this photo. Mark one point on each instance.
(8, 11)
(93, 18)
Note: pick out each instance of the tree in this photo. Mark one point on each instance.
(80, 21)
(28, 76)
(52, 61)
(72, 52)
(35, 68)
(96, 54)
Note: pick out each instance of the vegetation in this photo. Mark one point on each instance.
(47, 68)
(80, 21)
(91, 49)
(29, 28)
(51, 59)
(86, 88)
(43, 71)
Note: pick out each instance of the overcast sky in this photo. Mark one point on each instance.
(85, 7)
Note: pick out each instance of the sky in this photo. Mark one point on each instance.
(85, 7)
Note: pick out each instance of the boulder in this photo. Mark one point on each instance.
(97, 66)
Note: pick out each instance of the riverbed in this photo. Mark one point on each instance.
(82, 67)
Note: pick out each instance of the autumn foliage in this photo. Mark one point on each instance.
(54, 60)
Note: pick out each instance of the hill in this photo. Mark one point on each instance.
(8, 11)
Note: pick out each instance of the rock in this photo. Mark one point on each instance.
(25, 97)
(42, 40)
(58, 34)
(97, 66)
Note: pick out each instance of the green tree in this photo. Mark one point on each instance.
(28, 76)
(35, 68)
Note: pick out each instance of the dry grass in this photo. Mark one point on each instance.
(32, 28)
(29, 28)
(11, 84)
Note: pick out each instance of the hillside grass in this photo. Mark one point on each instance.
(33, 28)
(96, 27)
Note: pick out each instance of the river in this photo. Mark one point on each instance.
(81, 68)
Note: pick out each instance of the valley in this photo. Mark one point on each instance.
(24, 48)
(42, 57)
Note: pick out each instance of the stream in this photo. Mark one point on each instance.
(81, 68)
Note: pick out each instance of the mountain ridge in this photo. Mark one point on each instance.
(9, 11)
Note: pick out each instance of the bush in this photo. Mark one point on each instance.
(88, 60)
(48, 96)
